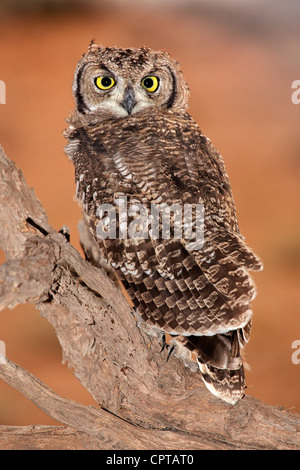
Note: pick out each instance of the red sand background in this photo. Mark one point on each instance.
(240, 72)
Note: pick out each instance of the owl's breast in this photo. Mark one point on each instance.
(150, 155)
(153, 157)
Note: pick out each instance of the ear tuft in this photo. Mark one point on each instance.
(93, 47)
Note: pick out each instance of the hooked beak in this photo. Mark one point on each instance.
(128, 102)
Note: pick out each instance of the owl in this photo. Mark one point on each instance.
(141, 161)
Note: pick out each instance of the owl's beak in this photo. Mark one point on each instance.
(128, 102)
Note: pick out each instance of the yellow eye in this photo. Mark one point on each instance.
(104, 83)
(150, 83)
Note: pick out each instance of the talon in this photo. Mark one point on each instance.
(170, 352)
(164, 343)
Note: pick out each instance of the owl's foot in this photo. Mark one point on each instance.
(166, 338)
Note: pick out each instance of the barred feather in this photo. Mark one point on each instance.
(202, 297)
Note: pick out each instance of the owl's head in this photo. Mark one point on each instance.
(114, 83)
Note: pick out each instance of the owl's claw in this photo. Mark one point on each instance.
(164, 343)
(167, 346)
(170, 352)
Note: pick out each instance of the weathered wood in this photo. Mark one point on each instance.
(37, 437)
(141, 402)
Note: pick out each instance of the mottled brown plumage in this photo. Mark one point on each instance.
(127, 140)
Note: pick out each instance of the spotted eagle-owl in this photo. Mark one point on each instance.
(130, 136)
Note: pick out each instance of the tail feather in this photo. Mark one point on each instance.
(219, 360)
(227, 384)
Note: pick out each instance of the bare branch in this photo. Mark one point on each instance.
(17, 203)
(41, 438)
(94, 424)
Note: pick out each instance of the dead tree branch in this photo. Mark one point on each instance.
(141, 402)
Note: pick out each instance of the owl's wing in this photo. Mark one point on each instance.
(203, 291)
(200, 296)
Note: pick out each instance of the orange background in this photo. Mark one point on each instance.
(240, 62)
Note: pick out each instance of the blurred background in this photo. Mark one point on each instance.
(240, 59)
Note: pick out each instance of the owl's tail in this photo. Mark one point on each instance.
(227, 384)
(219, 360)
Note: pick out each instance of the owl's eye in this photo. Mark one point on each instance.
(104, 83)
(150, 83)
